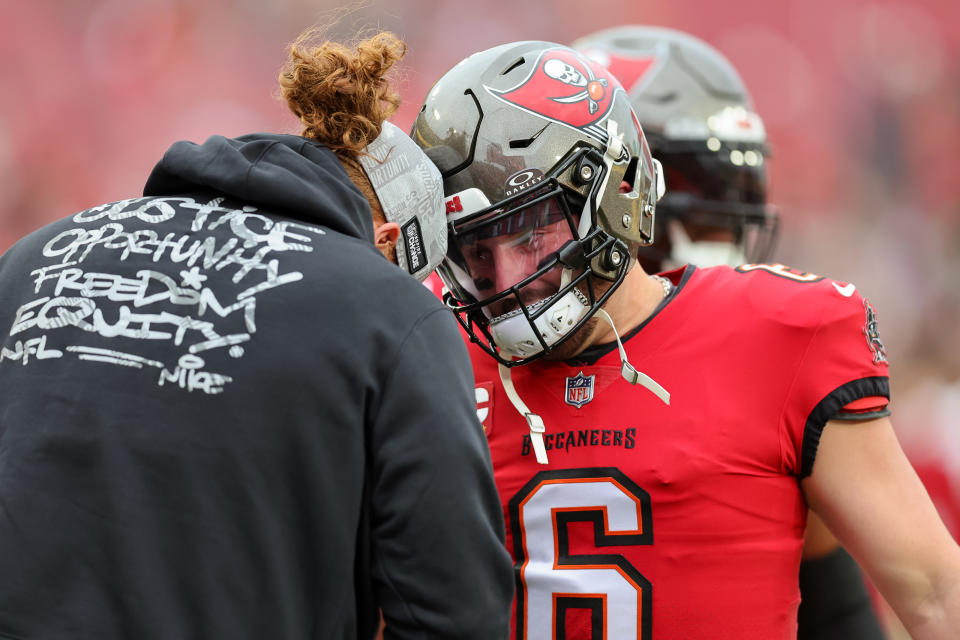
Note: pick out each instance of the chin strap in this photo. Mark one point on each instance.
(629, 373)
(533, 420)
(611, 155)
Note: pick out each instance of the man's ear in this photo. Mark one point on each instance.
(385, 238)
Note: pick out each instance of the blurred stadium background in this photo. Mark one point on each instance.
(861, 100)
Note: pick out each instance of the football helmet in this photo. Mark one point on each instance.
(550, 189)
(700, 123)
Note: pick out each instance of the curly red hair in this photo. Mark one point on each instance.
(342, 95)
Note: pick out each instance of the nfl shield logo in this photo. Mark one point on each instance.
(579, 390)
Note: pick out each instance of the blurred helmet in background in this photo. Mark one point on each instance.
(550, 189)
(700, 123)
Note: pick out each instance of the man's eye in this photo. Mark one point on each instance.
(539, 237)
(477, 254)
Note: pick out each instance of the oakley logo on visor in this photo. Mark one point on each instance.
(522, 180)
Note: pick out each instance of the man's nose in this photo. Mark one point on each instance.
(510, 266)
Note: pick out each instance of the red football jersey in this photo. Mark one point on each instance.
(680, 521)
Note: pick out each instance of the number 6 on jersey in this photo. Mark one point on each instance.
(585, 594)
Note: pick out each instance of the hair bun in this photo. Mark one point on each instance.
(342, 96)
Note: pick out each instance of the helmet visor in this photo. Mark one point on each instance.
(505, 256)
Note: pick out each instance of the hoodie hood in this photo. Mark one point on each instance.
(279, 173)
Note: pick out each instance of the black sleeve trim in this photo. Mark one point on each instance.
(829, 408)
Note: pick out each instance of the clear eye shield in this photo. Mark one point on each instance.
(493, 249)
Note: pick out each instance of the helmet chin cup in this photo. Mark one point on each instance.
(514, 334)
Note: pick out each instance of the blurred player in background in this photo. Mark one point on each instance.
(216, 420)
(699, 120)
(656, 438)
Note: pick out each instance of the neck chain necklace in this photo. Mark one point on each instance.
(666, 284)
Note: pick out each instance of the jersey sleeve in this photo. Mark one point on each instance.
(440, 564)
(843, 373)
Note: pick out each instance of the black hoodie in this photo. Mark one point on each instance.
(224, 415)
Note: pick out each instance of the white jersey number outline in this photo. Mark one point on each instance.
(782, 271)
(551, 580)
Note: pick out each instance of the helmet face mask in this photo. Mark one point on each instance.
(716, 211)
(701, 126)
(520, 277)
(531, 231)
(550, 190)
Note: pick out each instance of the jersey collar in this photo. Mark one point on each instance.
(591, 355)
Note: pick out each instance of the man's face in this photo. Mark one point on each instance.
(498, 262)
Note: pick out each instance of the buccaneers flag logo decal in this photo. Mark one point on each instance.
(630, 70)
(566, 88)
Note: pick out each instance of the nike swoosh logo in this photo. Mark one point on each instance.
(846, 291)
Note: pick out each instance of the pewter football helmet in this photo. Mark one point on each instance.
(700, 123)
(550, 190)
